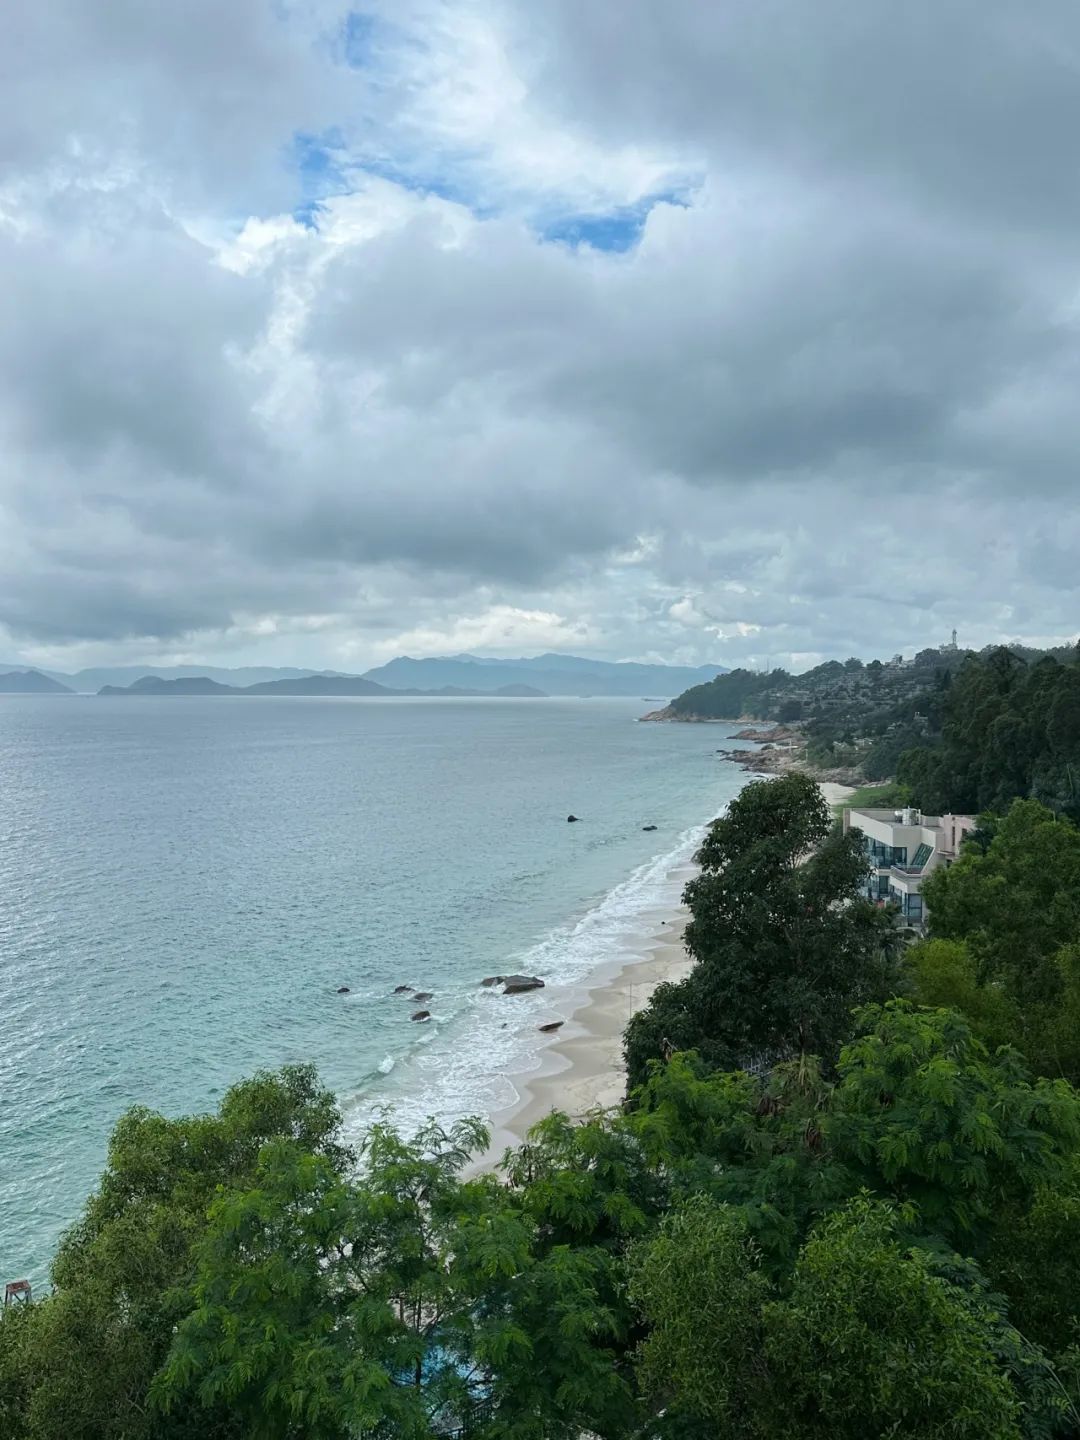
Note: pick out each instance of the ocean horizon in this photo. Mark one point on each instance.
(186, 885)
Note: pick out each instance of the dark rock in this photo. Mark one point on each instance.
(492, 980)
(402, 989)
(518, 984)
(648, 827)
(343, 989)
(572, 819)
(422, 995)
(549, 1028)
(421, 1015)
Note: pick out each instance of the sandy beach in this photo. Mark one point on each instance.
(581, 1068)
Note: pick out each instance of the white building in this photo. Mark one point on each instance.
(903, 847)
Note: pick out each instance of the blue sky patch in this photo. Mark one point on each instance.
(615, 231)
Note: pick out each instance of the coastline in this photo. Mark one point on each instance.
(580, 1070)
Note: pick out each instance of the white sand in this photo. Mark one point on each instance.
(835, 794)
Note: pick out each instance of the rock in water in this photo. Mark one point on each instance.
(518, 984)
(402, 989)
(343, 989)
(572, 819)
(648, 827)
(554, 1025)
(421, 1015)
(422, 995)
(492, 980)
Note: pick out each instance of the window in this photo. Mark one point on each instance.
(921, 856)
(882, 854)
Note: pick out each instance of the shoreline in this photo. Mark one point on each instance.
(580, 1070)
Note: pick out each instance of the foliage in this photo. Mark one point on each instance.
(1010, 910)
(922, 1110)
(882, 758)
(872, 1335)
(871, 1342)
(784, 946)
(840, 696)
(791, 1254)
(703, 1358)
(394, 1305)
(1008, 729)
(919, 1114)
(1034, 1258)
(98, 1339)
(944, 975)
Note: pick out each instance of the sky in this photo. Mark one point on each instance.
(740, 333)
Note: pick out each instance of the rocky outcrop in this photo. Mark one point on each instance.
(421, 1015)
(402, 989)
(519, 984)
(767, 736)
(514, 984)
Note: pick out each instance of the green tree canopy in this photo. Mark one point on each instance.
(95, 1343)
(784, 945)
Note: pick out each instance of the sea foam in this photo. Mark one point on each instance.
(489, 1040)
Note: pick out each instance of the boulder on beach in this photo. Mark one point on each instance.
(518, 984)
(551, 1026)
(648, 827)
(343, 989)
(422, 995)
(421, 1015)
(572, 819)
(402, 989)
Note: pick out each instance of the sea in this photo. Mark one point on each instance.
(187, 883)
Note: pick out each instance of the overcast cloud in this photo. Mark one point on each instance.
(691, 332)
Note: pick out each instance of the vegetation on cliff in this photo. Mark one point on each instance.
(1001, 728)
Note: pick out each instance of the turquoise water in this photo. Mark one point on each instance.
(184, 884)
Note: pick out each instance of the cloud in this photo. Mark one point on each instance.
(731, 333)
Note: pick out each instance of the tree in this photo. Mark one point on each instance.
(919, 1114)
(872, 1342)
(1015, 903)
(97, 1340)
(699, 1286)
(395, 1305)
(924, 1114)
(870, 1336)
(944, 975)
(1007, 730)
(784, 945)
(1034, 1258)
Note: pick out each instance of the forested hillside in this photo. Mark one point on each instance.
(1003, 727)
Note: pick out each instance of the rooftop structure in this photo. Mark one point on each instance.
(903, 847)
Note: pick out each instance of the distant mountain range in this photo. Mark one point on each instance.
(446, 675)
(554, 674)
(31, 682)
(90, 681)
(307, 685)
